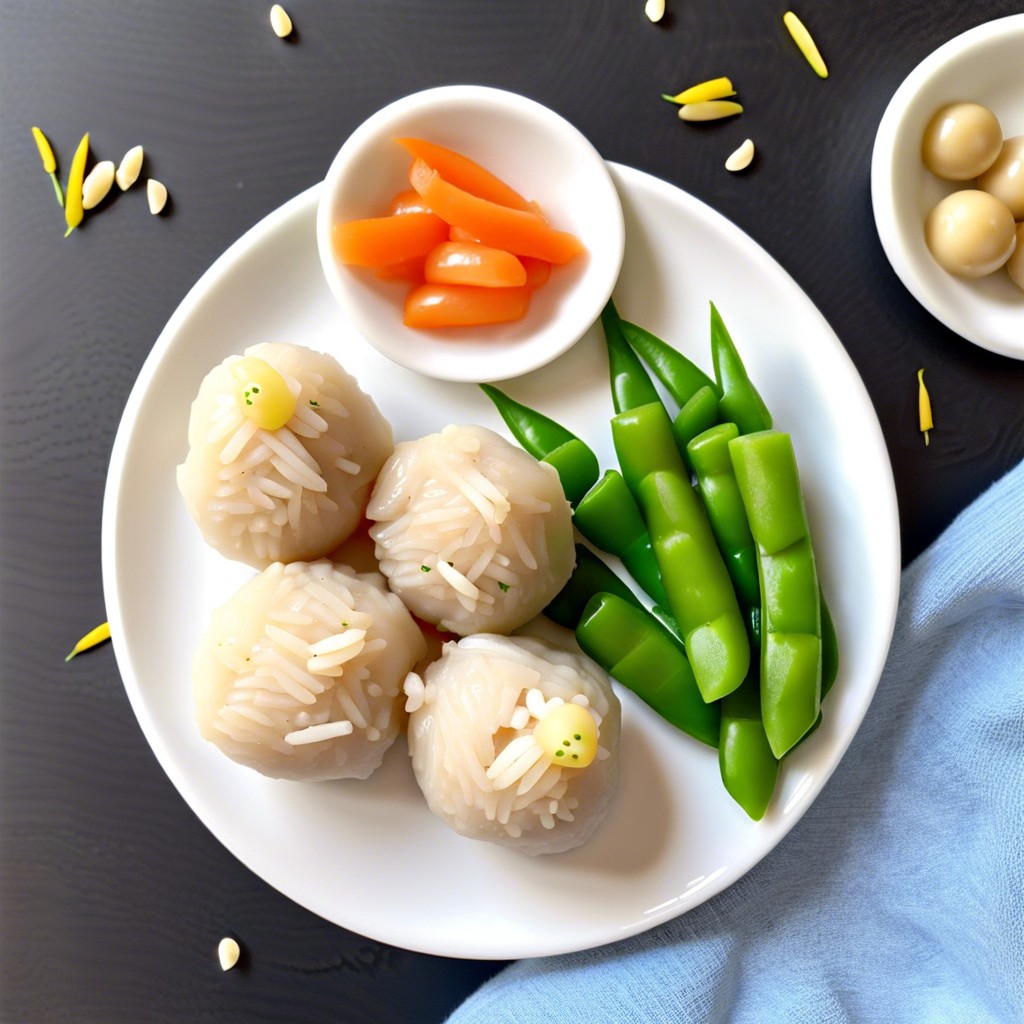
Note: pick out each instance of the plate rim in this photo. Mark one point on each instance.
(304, 204)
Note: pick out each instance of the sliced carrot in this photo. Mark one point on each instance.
(459, 305)
(466, 174)
(407, 201)
(378, 241)
(406, 270)
(459, 234)
(537, 271)
(516, 231)
(472, 263)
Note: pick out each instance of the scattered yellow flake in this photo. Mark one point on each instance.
(924, 406)
(156, 195)
(49, 161)
(280, 22)
(91, 639)
(740, 158)
(73, 209)
(713, 89)
(803, 39)
(655, 10)
(228, 952)
(709, 110)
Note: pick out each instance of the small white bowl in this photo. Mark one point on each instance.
(540, 155)
(984, 65)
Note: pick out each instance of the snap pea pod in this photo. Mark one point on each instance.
(716, 481)
(591, 576)
(606, 512)
(548, 441)
(740, 402)
(791, 645)
(682, 379)
(629, 381)
(700, 413)
(609, 518)
(746, 763)
(625, 642)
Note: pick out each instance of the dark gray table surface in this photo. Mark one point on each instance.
(114, 896)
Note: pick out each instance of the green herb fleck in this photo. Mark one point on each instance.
(559, 753)
(424, 568)
(503, 587)
(314, 402)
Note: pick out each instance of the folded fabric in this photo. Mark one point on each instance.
(900, 895)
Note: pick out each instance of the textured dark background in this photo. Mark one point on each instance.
(114, 896)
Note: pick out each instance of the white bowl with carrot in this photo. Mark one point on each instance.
(470, 234)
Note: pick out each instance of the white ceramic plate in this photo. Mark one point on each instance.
(368, 855)
(985, 65)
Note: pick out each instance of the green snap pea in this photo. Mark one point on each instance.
(716, 481)
(740, 402)
(631, 386)
(791, 645)
(632, 648)
(548, 441)
(699, 414)
(746, 763)
(609, 518)
(682, 379)
(700, 592)
(591, 576)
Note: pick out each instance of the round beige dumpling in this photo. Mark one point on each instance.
(515, 742)
(1005, 178)
(1015, 264)
(970, 233)
(283, 450)
(299, 675)
(961, 141)
(473, 534)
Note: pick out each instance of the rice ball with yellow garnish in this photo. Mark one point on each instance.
(515, 742)
(283, 450)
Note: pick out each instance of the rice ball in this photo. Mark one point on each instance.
(299, 675)
(515, 742)
(283, 450)
(474, 534)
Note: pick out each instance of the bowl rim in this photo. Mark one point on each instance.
(885, 170)
(503, 361)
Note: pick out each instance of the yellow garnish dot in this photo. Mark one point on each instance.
(49, 161)
(924, 406)
(263, 393)
(709, 110)
(91, 639)
(568, 736)
(803, 39)
(713, 89)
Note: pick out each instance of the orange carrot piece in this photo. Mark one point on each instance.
(459, 305)
(459, 234)
(405, 270)
(516, 231)
(472, 263)
(378, 241)
(407, 201)
(466, 174)
(537, 271)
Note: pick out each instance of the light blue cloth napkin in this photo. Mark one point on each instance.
(900, 895)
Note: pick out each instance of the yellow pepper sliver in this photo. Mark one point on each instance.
(713, 89)
(49, 161)
(73, 209)
(924, 406)
(91, 639)
(803, 39)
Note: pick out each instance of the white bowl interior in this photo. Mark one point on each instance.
(539, 154)
(984, 65)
